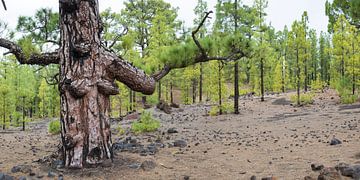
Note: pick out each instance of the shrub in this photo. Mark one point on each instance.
(54, 127)
(120, 130)
(146, 123)
(304, 99)
(214, 111)
(348, 99)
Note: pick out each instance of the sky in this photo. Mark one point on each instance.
(280, 12)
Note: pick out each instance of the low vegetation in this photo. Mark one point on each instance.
(54, 127)
(146, 123)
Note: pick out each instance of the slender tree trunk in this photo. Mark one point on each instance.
(306, 74)
(130, 101)
(159, 91)
(236, 67)
(283, 73)
(219, 89)
(236, 89)
(194, 91)
(171, 93)
(201, 82)
(134, 101)
(262, 79)
(4, 115)
(298, 76)
(23, 113)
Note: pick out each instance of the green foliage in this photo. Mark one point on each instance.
(120, 130)
(146, 123)
(54, 127)
(304, 99)
(214, 111)
(317, 84)
(348, 98)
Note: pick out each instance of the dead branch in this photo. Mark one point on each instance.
(39, 59)
(3, 2)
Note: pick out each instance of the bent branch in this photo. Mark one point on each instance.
(38, 59)
(131, 76)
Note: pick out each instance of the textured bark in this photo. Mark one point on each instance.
(87, 74)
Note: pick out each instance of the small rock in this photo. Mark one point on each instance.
(186, 177)
(317, 167)
(107, 163)
(6, 177)
(309, 178)
(180, 143)
(51, 174)
(134, 166)
(164, 107)
(172, 130)
(269, 178)
(329, 174)
(335, 141)
(351, 171)
(148, 165)
(21, 168)
(21, 178)
(60, 177)
(253, 178)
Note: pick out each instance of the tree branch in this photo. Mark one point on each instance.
(39, 59)
(3, 2)
(193, 34)
(131, 76)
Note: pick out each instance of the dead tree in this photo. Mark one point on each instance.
(87, 79)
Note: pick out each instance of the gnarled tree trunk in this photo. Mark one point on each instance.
(87, 80)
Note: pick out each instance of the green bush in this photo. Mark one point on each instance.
(146, 123)
(304, 99)
(214, 111)
(120, 130)
(348, 99)
(54, 127)
(227, 107)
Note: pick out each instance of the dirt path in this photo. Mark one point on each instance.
(267, 139)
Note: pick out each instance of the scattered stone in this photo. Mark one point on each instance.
(51, 174)
(21, 168)
(317, 167)
(180, 143)
(134, 166)
(60, 177)
(309, 178)
(148, 165)
(351, 171)
(253, 178)
(269, 178)
(163, 106)
(6, 177)
(329, 173)
(335, 141)
(172, 130)
(186, 177)
(57, 164)
(174, 105)
(107, 163)
(22, 178)
(32, 174)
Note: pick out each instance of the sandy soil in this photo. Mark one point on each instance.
(270, 138)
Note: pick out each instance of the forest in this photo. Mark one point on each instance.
(212, 86)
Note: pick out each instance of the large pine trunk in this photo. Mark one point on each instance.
(84, 114)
